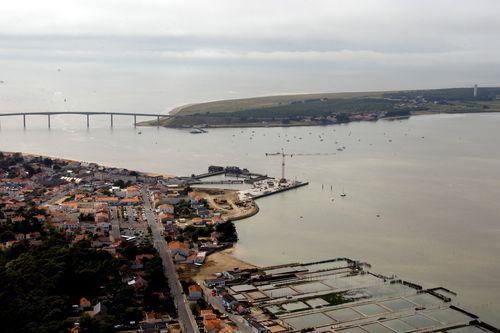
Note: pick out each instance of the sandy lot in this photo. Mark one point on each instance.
(231, 196)
(219, 262)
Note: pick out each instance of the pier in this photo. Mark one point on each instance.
(87, 116)
(218, 182)
(209, 174)
(282, 189)
(269, 187)
(230, 171)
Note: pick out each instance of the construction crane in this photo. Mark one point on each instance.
(283, 155)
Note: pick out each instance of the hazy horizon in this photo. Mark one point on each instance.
(154, 56)
(409, 184)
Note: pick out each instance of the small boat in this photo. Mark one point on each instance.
(343, 194)
(196, 131)
(139, 132)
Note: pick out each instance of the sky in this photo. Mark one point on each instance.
(155, 55)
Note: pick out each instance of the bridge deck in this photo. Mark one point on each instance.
(50, 113)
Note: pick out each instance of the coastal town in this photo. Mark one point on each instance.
(277, 166)
(150, 253)
(117, 211)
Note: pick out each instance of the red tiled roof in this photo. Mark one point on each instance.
(178, 245)
(194, 288)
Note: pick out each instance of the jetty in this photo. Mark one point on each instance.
(269, 187)
(242, 175)
(262, 185)
(218, 182)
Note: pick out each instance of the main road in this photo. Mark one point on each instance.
(216, 303)
(186, 318)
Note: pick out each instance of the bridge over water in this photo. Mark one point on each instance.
(87, 114)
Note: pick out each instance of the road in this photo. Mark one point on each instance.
(115, 224)
(186, 318)
(54, 200)
(216, 302)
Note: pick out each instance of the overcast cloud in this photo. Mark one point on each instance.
(168, 52)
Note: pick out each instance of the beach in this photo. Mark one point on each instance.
(219, 262)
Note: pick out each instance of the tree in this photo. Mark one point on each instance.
(120, 183)
(39, 284)
(226, 232)
(342, 117)
(7, 236)
(183, 208)
(47, 162)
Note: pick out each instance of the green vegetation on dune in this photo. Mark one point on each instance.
(323, 109)
(236, 105)
(297, 111)
(450, 95)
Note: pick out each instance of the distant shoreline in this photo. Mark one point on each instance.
(144, 173)
(312, 123)
(323, 109)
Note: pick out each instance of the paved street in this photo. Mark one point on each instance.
(115, 223)
(216, 302)
(186, 318)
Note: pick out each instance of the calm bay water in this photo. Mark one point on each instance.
(434, 181)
